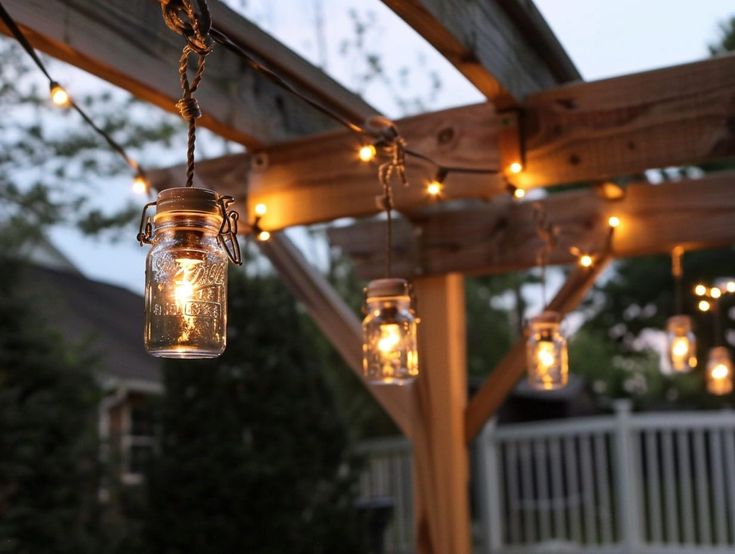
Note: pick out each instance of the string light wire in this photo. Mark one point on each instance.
(26, 45)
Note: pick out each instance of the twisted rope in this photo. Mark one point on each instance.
(181, 17)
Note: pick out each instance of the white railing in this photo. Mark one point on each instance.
(625, 483)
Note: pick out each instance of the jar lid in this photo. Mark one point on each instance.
(387, 287)
(188, 199)
(680, 323)
(548, 317)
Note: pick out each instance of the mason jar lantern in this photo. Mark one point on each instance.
(546, 352)
(390, 354)
(192, 236)
(719, 371)
(681, 344)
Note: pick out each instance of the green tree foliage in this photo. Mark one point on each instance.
(48, 451)
(253, 457)
(726, 42)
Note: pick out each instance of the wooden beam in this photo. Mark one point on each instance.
(335, 319)
(127, 43)
(504, 47)
(484, 239)
(441, 461)
(616, 127)
(510, 369)
(667, 117)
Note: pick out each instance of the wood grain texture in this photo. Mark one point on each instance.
(127, 43)
(511, 368)
(485, 239)
(674, 116)
(441, 460)
(335, 319)
(505, 48)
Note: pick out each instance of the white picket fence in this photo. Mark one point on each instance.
(626, 483)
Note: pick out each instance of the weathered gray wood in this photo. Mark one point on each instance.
(485, 239)
(127, 43)
(504, 47)
(335, 319)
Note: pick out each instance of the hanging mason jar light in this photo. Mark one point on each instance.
(719, 371)
(681, 344)
(192, 236)
(546, 352)
(390, 354)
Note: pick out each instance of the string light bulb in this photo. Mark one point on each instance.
(367, 153)
(704, 305)
(264, 236)
(730, 287)
(434, 188)
(715, 293)
(586, 260)
(719, 371)
(140, 185)
(516, 192)
(546, 352)
(59, 96)
(515, 168)
(681, 344)
(260, 209)
(700, 290)
(186, 272)
(390, 355)
(613, 221)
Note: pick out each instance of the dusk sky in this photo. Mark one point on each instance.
(603, 37)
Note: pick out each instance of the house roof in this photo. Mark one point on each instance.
(106, 319)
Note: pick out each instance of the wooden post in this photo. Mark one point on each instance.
(441, 460)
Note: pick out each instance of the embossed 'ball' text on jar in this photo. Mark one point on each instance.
(186, 277)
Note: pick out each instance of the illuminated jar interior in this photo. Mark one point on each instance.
(390, 354)
(186, 277)
(681, 344)
(546, 353)
(719, 371)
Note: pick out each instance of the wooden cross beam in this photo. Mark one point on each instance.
(485, 239)
(586, 131)
(506, 374)
(504, 47)
(127, 43)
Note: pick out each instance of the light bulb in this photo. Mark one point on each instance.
(59, 96)
(260, 209)
(390, 354)
(715, 292)
(613, 221)
(519, 193)
(700, 290)
(367, 153)
(681, 344)
(730, 287)
(515, 168)
(704, 305)
(264, 236)
(546, 353)
(434, 188)
(140, 185)
(585, 260)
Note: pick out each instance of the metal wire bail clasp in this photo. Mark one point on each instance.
(145, 231)
(227, 236)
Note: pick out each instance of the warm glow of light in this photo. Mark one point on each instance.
(519, 193)
(434, 188)
(264, 236)
(545, 355)
(261, 209)
(60, 97)
(585, 260)
(720, 371)
(715, 292)
(704, 306)
(367, 153)
(515, 168)
(390, 338)
(140, 185)
(730, 286)
(680, 347)
(184, 283)
(700, 290)
(613, 221)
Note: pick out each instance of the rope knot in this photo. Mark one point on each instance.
(181, 17)
(189, 108)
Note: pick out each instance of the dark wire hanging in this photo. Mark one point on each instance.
(53, 85)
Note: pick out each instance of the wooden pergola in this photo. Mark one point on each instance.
(537, 111)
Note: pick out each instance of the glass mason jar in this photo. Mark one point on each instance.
(186, 277)
(546, 352)
(681, 344)
(390, 354)
(719, 371)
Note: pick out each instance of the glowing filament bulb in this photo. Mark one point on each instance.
(367, 153)
(704, 306)
(715, 293)
(700, 290)
(613, 221)
(434, 188)
(59, 96)
(515, 168)
(261, 209)
(390, 338)
(680, 347)
(730, 286)
(140, 185)
(264, 236)
(184, 282)
(545, 354)
(682, 344)
(519, 193)
(585, 260)
(719, 371)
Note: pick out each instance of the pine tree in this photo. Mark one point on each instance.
(48, 399)
(253, 456)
